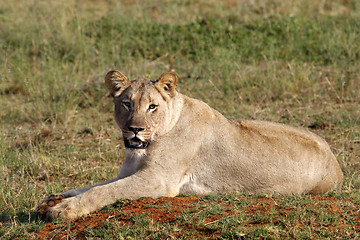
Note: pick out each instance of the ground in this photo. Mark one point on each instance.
(330, 215)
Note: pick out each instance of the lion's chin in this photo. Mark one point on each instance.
(136, 143)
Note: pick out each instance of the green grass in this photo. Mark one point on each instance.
(295, 62)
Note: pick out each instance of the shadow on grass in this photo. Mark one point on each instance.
(22, 225)
(20, 217)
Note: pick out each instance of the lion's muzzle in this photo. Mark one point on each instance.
(136, 143)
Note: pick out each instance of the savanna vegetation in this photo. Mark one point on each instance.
(294, 62)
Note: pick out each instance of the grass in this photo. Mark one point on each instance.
(295, 62)
(222, 217)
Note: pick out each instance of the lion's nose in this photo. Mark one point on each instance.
(136, 130)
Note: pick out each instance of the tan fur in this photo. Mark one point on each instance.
(193, 148)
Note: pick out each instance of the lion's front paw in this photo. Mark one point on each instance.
(49, 202)
(59, 207)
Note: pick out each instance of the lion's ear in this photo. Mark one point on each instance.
(116, 82)
(168, 81)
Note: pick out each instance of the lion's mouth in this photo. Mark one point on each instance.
(136, 143)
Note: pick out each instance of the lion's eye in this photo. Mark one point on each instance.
(152, 107)
(127, 105)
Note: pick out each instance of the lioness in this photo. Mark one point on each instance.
(176, 144)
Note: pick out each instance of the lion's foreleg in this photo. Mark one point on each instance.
(75, 192)
(141, 184)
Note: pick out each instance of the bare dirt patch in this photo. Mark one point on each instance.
(155, 207)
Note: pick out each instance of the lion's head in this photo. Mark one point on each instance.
(143, 107)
